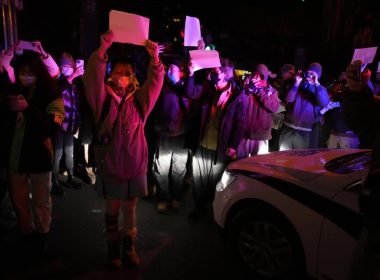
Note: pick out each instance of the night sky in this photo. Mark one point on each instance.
(270, 32)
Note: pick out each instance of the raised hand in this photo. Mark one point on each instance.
(79, 71)
(106, 40)
(153, 50)
(39, 49)
(201, 44)
(191, 68)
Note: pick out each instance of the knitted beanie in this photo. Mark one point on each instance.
(316, 67)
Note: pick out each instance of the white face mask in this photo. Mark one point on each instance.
(67, 71)
(27, 81)
(124, 82)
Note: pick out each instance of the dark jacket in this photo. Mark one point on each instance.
(361, 112)
(171, 109)
(70, 96)
(232, 122)
(304, 105)
(261, 105)
(36, 151)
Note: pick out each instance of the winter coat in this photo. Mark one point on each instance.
(70, 96)
(232, 121)
(126, 157)
(171, 110)
(304, 106)
(28, 139)
(261, 106)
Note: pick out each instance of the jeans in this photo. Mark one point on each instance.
(170, 167)
(63, 142)
(294, 139)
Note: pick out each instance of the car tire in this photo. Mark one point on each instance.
(268, 244)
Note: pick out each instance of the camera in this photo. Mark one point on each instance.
(308, 75)
(305, 75)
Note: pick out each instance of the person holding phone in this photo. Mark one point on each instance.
(34, 110)
(64, 137)
(7, 55)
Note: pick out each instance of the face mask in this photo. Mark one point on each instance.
(27, 81)
(67, 72)
(124, 82)
(214, 77)
(173, 78)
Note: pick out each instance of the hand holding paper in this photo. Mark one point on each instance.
(153, 50)
(201, 59)
(366, 55)
(129, 28)
(106, 40)
(192, 32)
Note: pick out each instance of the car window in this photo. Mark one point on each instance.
(349, 163)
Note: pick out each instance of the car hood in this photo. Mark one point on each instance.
(304, 165)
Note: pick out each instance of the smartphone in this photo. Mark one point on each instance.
(25, 45)
(79, 63)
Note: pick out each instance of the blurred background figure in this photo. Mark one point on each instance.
(171, 156)
(64, 137)
(336, 132)
(262, 103)
(35, 110)
(304, 102)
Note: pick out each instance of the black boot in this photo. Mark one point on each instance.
(129, 256)
(113, 255)
(71, 183)
(113, 242)
(56, 188)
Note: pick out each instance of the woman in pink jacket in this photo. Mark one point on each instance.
(120, 110)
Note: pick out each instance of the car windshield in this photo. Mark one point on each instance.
(349, 163)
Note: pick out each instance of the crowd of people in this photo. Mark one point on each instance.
(200, 121)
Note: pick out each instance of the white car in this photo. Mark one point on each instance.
(294, 212)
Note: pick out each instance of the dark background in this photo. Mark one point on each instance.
(270, 32)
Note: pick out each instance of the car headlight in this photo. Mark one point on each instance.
(227, 179)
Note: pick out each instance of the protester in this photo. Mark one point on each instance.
(35, 110)
(64, 137)
(171, 155)
(304, 102)
(359, 105)
(223, 123)
(262, 103)
(336, 133)
(120, 110)
(283, 83)
(360, 102)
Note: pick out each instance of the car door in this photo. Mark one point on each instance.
(340, 232)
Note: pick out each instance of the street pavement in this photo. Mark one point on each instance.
(171, 246)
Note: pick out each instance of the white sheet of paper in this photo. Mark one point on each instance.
(202, 59)
(192, 32)
(366, 55)
(129, 28)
